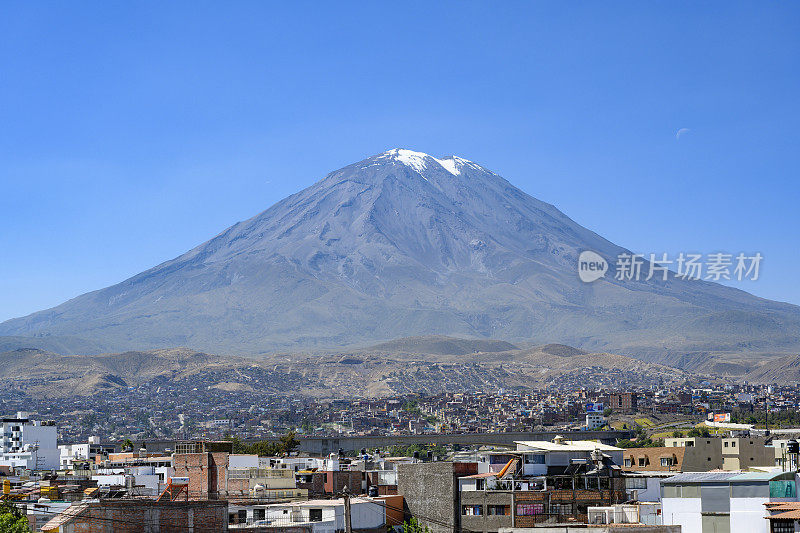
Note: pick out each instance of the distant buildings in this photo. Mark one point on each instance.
(89, 452)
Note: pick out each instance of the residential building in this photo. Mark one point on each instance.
(724, 453)
(594, 420)
(90, 452)
(623, 402)
(28, 444)
(225, 475)
(367, 515)
(114, 516)
(541, 482)
(431, 491)
(733, 502)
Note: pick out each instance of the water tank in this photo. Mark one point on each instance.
(373, 490)
(792, 446)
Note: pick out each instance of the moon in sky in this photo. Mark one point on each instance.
(681, 132)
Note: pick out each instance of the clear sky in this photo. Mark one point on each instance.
(131, 132)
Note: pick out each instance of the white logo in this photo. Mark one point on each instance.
(591, 266)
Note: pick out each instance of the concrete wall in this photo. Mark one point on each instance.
(430, 490)
(487, 522)
(684, 512)
(747, 515)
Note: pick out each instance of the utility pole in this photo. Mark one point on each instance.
(347, 523)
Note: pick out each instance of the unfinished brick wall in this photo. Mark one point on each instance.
(153, 517)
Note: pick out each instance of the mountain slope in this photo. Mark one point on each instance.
(404, 244)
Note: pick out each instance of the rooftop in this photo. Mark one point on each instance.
(565, 446)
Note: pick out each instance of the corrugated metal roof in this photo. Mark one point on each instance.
(732, 477)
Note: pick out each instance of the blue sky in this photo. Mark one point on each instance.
(133, 132)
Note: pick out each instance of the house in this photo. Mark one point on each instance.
(227, 475)
(663, 459)
(318, 516)
(431, 490)
(724, 453)
(724, 501)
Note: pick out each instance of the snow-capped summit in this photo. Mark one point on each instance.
(419, 161)
(395, 246)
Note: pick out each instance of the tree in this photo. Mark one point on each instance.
(413, 526)
(289, 442)
(677, 434)
(12, 520)
(127, 444)
(699, 432)
(607, 411)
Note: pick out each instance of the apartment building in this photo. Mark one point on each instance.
(723, 453)
(225, 475)
(29, 444)
(623, 402)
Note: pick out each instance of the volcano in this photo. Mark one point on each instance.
(406, 244)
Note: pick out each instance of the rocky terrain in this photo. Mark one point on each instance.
(372, 372)
(403, 244)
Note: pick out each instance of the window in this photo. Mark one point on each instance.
(709, 458)
(561, 508)
(472, 510)
(315, 515)
(497, 510)
(782, 526)
(635, 483)
(726, 444)
(529, 509)
(627, 462)
(259, 514)
(242, 516)
(733, 444)
(479, 484)
(666, 461)
(642, 461)
(534, 459)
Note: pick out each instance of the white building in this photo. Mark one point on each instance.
(83, 453)
(538, 456)
(30, 444)
(595, 420)
(322, 516)
(724, 501)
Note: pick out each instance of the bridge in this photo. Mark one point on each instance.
(326, 445)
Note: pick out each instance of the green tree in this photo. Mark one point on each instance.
(699, 432)
(127, 444)
(12, 520)
(413, 526)
(607, 411)
(289, 442)
(677, 434)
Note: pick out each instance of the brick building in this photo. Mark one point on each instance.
(130, 516)
(625, 402)
(331, 482)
